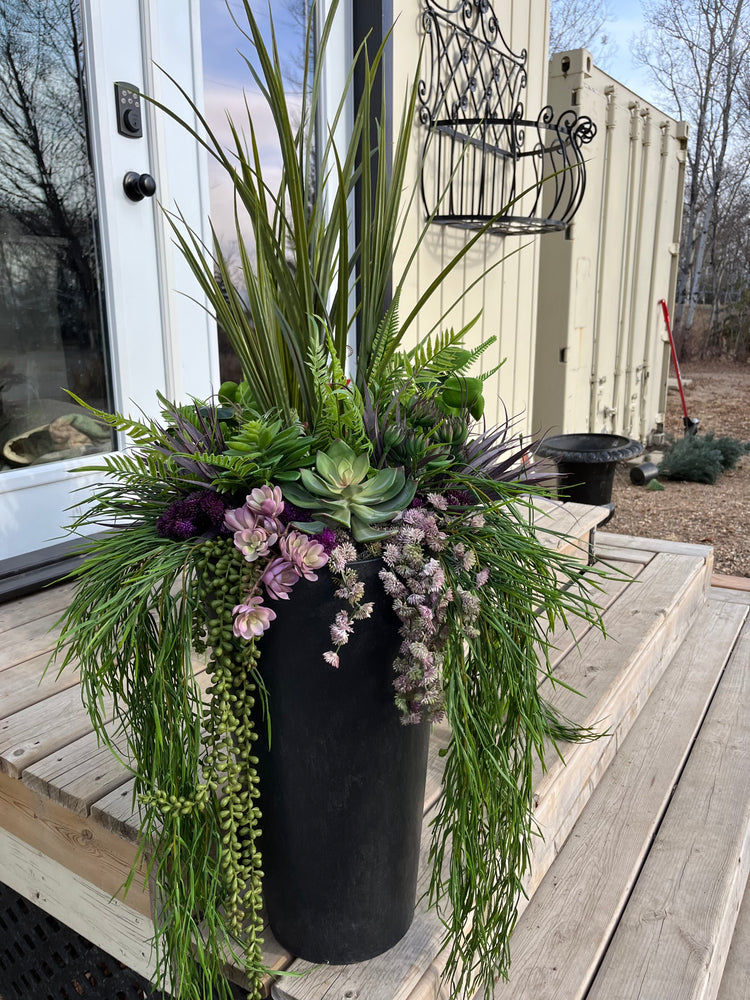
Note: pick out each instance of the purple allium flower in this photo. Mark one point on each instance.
(305, 554)
(198, 513)
(327, 538)
(254, 543)
(252, 619)
(459, 498)
(291, 513)
(279, 578)
(417, 502)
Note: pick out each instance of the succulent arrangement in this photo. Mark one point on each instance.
(221, 506)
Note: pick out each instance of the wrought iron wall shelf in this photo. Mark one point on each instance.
(485, 164)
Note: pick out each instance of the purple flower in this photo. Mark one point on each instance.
(303, 553)
(279, 578)
(200, 512)
(327, 538)
(291, 513)
(331, 658)
(252, 619)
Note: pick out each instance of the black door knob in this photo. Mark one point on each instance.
(138, 186)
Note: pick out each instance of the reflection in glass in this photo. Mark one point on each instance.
(52, 327)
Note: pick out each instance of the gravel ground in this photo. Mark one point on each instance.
(719, 515)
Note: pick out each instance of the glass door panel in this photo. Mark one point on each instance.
(52, 320)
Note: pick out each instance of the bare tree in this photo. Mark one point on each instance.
(698, 52)
(580, 24)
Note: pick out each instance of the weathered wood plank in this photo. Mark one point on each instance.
(731, 596)
(80, 772)
(109, 923)
(564, 637)
(41, 729)
(656, 545)
(726, 582)
(82, 846)
(606, 553)
(673, 939)
(735, 982)
(610, 680)
(27, 683)
(21, 642)
(558, 942)
(52, 600)
(116, 812)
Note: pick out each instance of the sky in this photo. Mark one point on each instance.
(628, 21)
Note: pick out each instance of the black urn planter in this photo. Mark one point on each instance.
(342, 783)
(586, 463)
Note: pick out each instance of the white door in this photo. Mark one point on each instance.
(90, 287)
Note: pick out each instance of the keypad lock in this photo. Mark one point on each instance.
(129, 113)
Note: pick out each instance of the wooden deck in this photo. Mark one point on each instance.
(640, 881)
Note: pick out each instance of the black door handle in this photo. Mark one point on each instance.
(138, 186)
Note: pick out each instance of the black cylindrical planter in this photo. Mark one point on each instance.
(587, 464)
(643, 473)
(342, 783)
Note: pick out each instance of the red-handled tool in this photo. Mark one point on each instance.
(690, 423)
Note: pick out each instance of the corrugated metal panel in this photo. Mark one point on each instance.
(602, 358)
(507, 297)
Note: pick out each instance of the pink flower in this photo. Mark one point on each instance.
(254, 543)
(279, 578)
(331, 657)
(482, 577)
(252, 619)
(305, 554)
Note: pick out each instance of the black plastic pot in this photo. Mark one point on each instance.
(586, 463)
(342, 782)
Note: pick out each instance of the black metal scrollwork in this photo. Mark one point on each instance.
(481, 155)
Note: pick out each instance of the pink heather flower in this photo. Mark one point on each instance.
(438, 502)
(331, 657)
(254, 543)
(239, 519)
(341, 629)
(341, 555)
(483, 576)
(252, 619)
(279, 578)
(303, 553)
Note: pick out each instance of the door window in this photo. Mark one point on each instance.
(53, 334)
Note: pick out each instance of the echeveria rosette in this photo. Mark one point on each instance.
(344, 491)
(252, 619)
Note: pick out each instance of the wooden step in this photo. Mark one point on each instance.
(674, 936)
(735, 982)
(568, 527)
(561, 937)
(614, 677)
